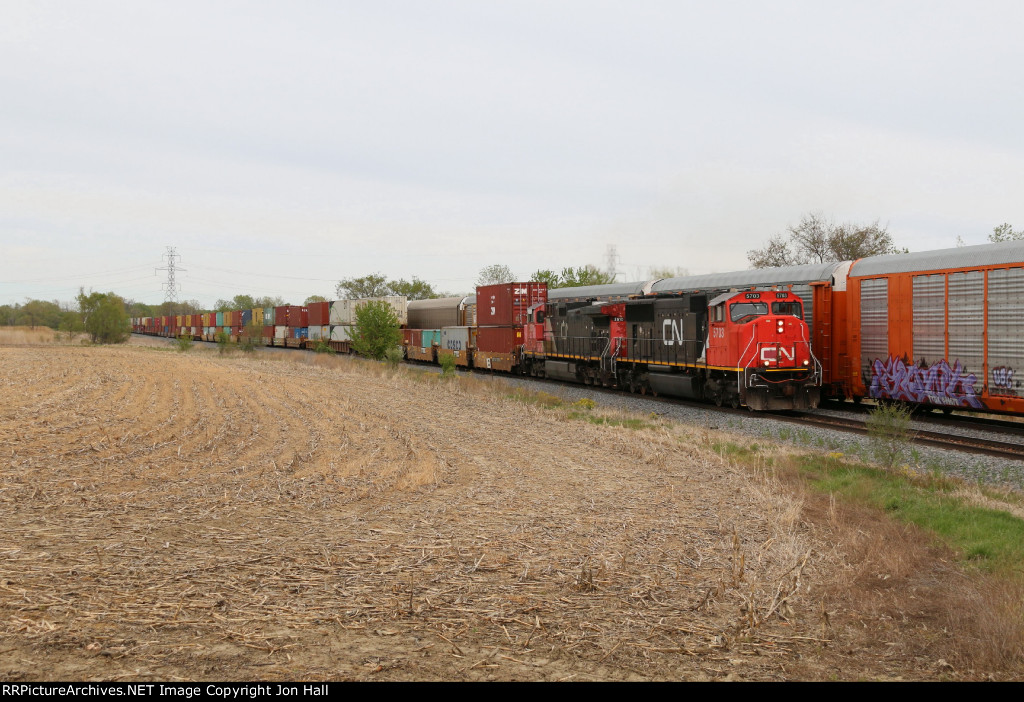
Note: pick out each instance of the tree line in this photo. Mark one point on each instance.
(103, 316)
(814, 239)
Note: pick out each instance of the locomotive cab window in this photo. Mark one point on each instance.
(793, 309)
(743, 312)
(718, 313)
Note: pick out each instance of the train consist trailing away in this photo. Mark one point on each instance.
(940, 328)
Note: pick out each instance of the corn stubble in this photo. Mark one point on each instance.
(205, 517)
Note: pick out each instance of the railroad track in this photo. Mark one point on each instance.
(1012, 450)
(959, 420)
(958, 442)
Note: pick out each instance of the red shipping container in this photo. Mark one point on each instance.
(507, 303)
(291, 316)
(319, 314)
(499, 339)
(298, 316)
(412, 337)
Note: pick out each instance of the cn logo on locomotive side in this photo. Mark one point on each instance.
(675, 332)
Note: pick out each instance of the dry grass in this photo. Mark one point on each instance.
(895, 589)
(21, 336)
(172, 516)
(39, 336)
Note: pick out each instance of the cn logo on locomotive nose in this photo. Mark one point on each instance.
(768, 353)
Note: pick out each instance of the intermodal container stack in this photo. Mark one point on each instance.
(343, 312)
(457, 342)
(319, 321)
(502, 310)
(422, 344)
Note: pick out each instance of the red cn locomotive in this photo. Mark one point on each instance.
(739, 348)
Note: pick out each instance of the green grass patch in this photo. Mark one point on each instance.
(540, 399)
(989, 538)
(739, 452)
(580, 410)
(600, 420)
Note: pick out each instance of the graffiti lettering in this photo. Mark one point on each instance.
(938, 384)
(1002, 377)
(1003, 382)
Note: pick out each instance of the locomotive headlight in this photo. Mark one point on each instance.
(766, 363)
(806, 362)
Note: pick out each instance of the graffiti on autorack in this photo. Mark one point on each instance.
(939, 384)
(1002, 381)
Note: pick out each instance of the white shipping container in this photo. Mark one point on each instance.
(344, 311)
(280, 332)
(341, 333)
(319, 333)
(455, 338)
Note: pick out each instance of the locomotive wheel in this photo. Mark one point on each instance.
(719, 400)
(734, 401)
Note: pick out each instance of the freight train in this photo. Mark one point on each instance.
(940, 329)
(743, 348)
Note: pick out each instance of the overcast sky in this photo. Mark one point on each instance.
(282, 146)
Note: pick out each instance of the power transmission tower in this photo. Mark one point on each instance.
(612, 257)
(171, 288)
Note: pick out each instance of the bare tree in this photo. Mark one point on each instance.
(819, 240)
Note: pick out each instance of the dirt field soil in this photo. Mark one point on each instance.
(186, 516)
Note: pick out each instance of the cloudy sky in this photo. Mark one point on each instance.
(282, 146)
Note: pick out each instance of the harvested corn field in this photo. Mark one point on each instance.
(190, 516)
